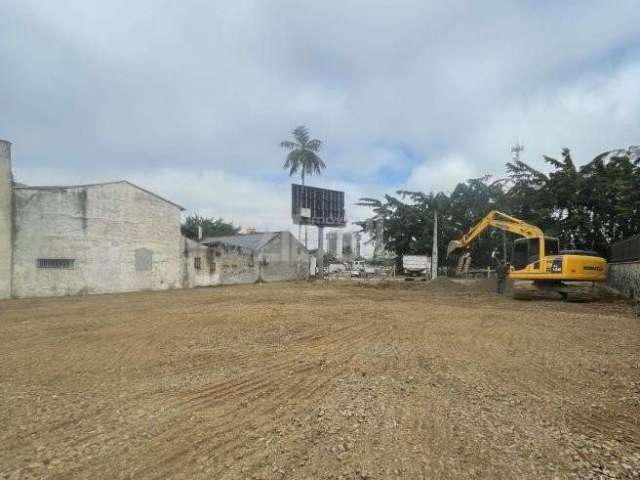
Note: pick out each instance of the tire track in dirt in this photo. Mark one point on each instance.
(308, 390)
(586, 420)
(229, 387)
(355, 333)
(256, 377)
(238, 357)
(301, 394)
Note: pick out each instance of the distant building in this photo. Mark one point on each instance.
(347, 245)
(358, 236)
(249, 258)
(118, 237)
(332, 243)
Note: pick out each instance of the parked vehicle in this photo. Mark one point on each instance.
(336, 267)
(416, 265)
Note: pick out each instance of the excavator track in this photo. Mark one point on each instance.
(565, 291)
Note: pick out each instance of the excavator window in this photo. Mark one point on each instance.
(551, 246)
(525, 252)
(534, 250)
(520, 253)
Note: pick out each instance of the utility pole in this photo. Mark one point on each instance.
(516, 150)
(434, 248)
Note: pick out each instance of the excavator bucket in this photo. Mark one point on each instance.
(453, 246)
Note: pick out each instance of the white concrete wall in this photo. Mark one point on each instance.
(625, 277)
(235, 265)
(285, 258)
(111, 230)
(6, 188)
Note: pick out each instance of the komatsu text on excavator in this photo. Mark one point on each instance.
(538, 264)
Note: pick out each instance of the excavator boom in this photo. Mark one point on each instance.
(497, 220)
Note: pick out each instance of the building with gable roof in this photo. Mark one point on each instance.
(246, 258)
(118, 237)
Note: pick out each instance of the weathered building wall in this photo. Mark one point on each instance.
(119, 237)
(236, 265)
(6, 193)
(625, 277)
(284, 258)
(251, 258)
(200, 268)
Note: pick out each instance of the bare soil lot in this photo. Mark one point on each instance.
(318, 381)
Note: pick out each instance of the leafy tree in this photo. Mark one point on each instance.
(587, 207)
(611, 195)
(525, 197)
(565, 214)
(211, 227)
(303, 154)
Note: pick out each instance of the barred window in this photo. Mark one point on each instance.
(197, 263)
(59, 263)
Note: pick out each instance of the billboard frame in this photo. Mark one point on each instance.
(326, 207)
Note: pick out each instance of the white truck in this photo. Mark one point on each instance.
(336, 267)
(416, 265)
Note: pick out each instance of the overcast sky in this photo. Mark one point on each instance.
(191, 99)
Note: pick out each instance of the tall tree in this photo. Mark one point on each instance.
(211, 227)
(303, 154)
(587, 208)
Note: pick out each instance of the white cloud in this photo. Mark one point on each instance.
(442, 174)
(192, 99)
(592, 114)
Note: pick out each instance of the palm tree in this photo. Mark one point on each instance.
(303, 154)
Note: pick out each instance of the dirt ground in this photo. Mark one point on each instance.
(318, 381)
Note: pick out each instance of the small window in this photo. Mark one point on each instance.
(59, 263)
(143, 260)
(197, 263)
(520, 254)
(551, 246)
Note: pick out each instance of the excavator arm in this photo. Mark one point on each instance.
(497, 220)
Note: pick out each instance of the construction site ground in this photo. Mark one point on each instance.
(342, 379)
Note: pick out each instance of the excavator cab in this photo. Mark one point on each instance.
(527, 251)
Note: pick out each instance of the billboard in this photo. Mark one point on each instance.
(317, 206)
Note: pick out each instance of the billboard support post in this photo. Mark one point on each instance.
(320, 253)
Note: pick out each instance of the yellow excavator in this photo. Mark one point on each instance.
(537, 263)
